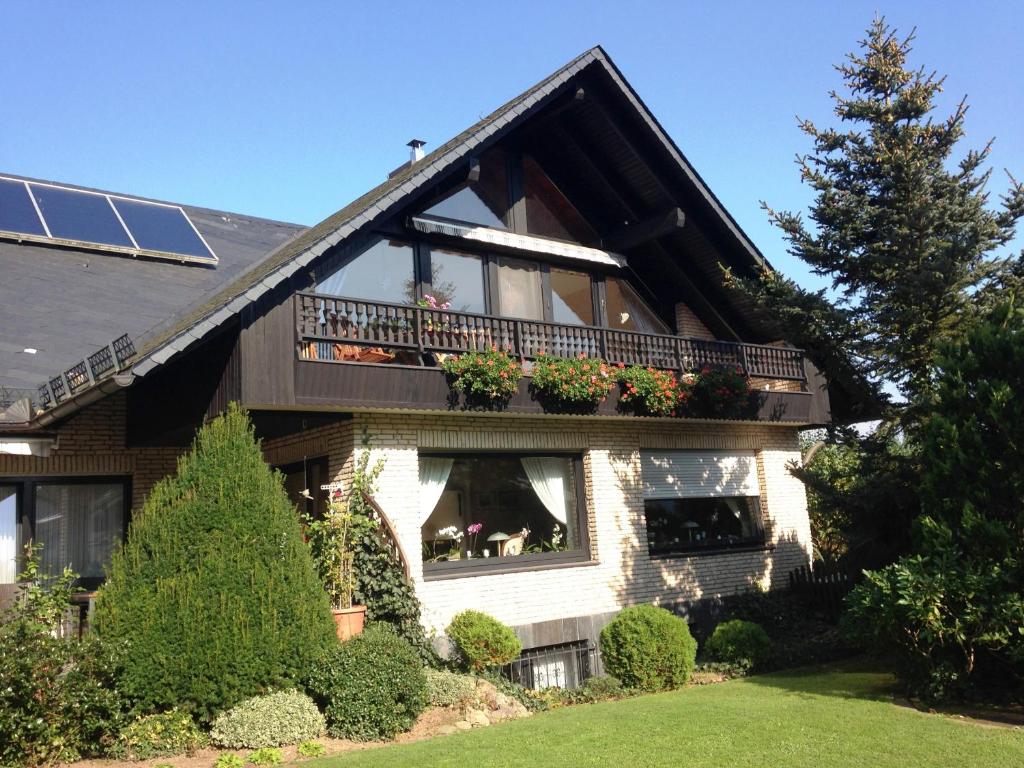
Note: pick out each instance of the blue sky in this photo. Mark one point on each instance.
(290, 110)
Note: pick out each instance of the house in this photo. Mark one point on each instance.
(566, 222)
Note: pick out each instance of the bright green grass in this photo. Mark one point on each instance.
(841, 716)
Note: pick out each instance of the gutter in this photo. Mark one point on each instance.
(108, 386)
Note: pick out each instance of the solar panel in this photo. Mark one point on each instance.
(17, 214)
(80, 216)
(161, 228)
(51, 213)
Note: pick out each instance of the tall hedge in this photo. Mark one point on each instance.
(214, 590)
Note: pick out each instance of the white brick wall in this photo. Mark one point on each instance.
(621, 572)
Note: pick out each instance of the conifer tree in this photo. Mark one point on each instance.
(905, 232)
(214, 592)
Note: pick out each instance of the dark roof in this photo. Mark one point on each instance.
(230, 290)
(67, 303)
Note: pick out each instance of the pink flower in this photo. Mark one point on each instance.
(474, 529)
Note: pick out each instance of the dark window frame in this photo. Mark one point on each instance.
(714, 546)
(27, 485)
(457, 569)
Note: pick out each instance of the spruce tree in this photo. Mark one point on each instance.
(905, 232)
(214, 593)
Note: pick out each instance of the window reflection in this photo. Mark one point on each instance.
(458, 279)
(383, 272)
(485, 201)
(571, 299)
(548, 211)
(627, 311)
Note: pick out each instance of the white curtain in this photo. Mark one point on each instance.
(8, 535)
(434, 473)
(548, 477)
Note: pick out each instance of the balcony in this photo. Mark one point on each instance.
(389, 354)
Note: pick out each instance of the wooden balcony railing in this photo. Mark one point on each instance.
(325, 324)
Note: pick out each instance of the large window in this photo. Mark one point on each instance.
(572, 299)
(696, 500)
(519, 289)
(484, 202)
(492, 510)
(627, 311)
(78, 522)
(548, 211)
(458, 279)
(383, 272)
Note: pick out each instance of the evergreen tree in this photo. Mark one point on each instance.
(215, 591)
(906, 235)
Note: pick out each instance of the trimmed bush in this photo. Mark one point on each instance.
(163, 735)
(648, 648)
(215, 592)
(481, 641)
(738, 642)
(449, 689)
(370, 687)
(286, 717)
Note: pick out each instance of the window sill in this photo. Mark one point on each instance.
(492, 566)
(712, 551)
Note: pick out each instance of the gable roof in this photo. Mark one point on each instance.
(247, 286)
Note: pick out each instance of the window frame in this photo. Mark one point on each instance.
(692, 550)
(27, 485)
(534, 561)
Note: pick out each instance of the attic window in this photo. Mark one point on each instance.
(49, 213)
(549, 212)
(483, 202)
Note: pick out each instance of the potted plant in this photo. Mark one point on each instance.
(331, 540)
(575, 385)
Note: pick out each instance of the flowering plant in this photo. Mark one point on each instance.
(573, 385)
(649, 392)
(487, 379)
(473, 530)
(430, 302)
(719, 393)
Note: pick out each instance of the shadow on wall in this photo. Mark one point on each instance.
(693, 585)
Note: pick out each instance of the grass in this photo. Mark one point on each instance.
(820, 717)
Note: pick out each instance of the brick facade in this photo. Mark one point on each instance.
(546, 605)
(620, 571)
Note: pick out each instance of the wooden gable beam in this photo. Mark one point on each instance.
(644, 231)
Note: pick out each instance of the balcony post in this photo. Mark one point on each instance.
(418, 325)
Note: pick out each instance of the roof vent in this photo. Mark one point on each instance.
(415, 150)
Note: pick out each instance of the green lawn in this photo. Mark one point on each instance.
(817, 718)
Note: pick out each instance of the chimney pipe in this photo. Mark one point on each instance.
(415, 150)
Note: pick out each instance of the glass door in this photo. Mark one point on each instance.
(9, 534)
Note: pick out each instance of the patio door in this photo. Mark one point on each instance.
(9, 539)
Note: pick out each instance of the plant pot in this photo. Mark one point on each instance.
(348, 622)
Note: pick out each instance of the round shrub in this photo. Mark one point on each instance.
(449, 689)
(214, 592)
(481, 641)
(286, 717)
(163, 735)
(739, 642)
(648, 648)
(370, 687)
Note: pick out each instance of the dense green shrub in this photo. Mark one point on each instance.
(162, 735)
(480, 641)
(951, 613)
(215, 592)
(739, 642)
(285, 717)
(370, 687)
(58, 697)
(570, 385)
(649, 648)
(449, 689)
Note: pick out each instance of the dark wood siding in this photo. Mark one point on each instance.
(267, 349)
